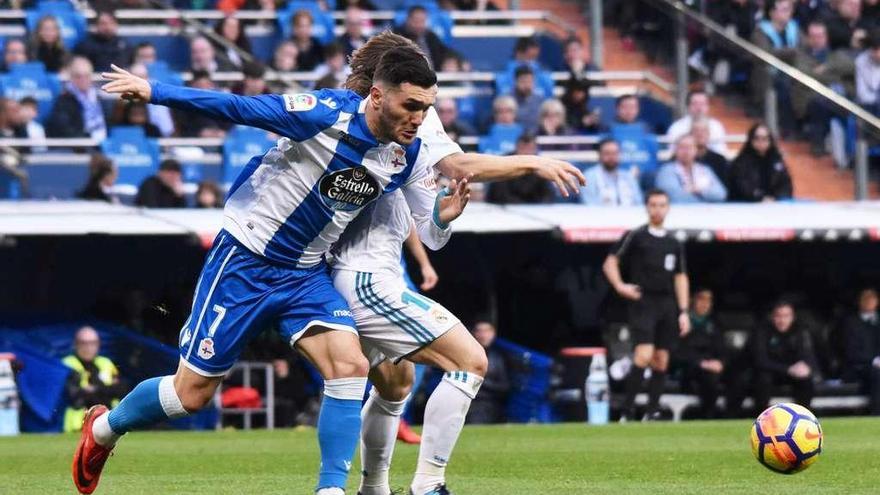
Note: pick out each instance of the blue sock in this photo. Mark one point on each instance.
(339, 428)
(152, 401)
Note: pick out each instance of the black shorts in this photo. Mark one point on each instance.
(653, 319)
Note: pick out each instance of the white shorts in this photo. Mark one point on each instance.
(392, 321)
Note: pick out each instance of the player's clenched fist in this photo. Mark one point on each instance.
(124, 83)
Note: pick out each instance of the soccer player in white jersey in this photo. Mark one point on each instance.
(338, 153)
(395, 323)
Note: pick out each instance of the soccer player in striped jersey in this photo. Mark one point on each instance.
(397, 324)
(338, 153)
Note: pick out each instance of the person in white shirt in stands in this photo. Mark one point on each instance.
(868, 75)
(685, 180)
(607, 185)
(698, 108)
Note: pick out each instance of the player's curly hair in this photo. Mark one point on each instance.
(364, 60)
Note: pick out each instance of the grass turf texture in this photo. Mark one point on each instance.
(658, 458)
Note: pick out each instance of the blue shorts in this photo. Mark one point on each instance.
(239, 294)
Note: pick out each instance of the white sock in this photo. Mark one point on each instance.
(444, 419)
(102, 432)
(380, 419)
(330, 491)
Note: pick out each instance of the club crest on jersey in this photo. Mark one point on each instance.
(301, 102)
(349, 189)
(398, 159)
(206, 348)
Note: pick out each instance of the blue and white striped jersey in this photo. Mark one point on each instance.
(291, 204)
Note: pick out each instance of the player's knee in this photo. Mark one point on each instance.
(352, 365)
(396, 391)
(193, 397)
(478, 362)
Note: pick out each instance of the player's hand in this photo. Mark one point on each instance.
(429, 277)
(630, 291)
(452, 205)
(684, 324)
(124, 83)
(567, 178)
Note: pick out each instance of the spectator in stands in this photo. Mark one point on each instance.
(577, 61)
(102, 177)
(868, 75)
(759, 173)
(104, 46)
(447, 110)
(846, 27)
(160, 116)
(809, 11)
(285, 56)
(861, 334)
(551, 122)
(687, 181)
(835, 69)
(144, 53)
(10, 119)
(328, 82)
(716, 161)
(738, 16)
(202, 57)
(698, 108)
(28, 111)
(783, 354)
(208, 195)
(163, 190)
(576, 98)
(527, 50)
(488, 407)
(607, 185)
(354, 36)
(46, 44)
(230, 29)
(14, 52)
(135, 113)
(504, 109)
(626, 111)
(94, 379)
(78, 112)
(193, 125)
(334, 63)
(254, 82)
(871, 12)
(779, 35)
(528, 98)
(701, 354)
(416, 29)
(528, 189)
(310, 53)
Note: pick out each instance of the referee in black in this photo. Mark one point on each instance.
(657, 290)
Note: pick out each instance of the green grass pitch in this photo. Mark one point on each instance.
(660, 458)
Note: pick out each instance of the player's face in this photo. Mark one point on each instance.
(658, 207)
(402, 110)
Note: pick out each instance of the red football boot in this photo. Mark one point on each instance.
(89, 458)
(406, 435)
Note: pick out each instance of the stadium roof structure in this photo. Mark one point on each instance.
(777, 222)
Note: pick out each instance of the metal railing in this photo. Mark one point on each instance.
(866, 122)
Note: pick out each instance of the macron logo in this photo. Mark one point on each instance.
(339, 313)
(330, 103)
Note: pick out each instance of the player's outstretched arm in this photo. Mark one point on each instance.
(264, 111)
(485, 168)
(431, 211)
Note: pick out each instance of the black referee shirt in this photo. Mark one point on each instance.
(649, 260)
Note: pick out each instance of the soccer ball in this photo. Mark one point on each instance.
(786, 438)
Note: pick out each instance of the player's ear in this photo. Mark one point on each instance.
(376, 95)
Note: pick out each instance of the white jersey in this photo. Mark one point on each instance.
(374, 240)
(291, 204)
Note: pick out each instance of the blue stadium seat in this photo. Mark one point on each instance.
(73, 24)
(136, 156)
(31, 79)
(242, 143)
(322, 28)
(606, 105)
(55, 6)
(501, 139)
(159, 71)
(638, 148)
